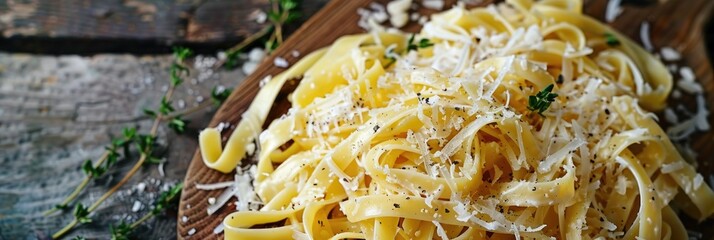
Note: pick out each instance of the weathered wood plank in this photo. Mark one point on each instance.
(55, 112)
(136, 26)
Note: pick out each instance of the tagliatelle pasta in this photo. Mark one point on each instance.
(389, 139)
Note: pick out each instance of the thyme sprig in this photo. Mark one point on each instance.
(611, 40)
(281, 12)
(542, 100)
(144, 142)
(166, 199)
(422, 43)
(97, 170)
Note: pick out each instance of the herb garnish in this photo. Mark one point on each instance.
(145, 143)
(542, 100)
(611, 40)
(423, 43)
(280, 13)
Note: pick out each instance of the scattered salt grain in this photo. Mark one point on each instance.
(184, 219)
(258, 16)
(221, 55)
(199, 99)
(140, 187)
(669, 54)
(265, 81)
(256, 55)
(676, 94)
(280, 62)
(295, 53)
(192, 231)
(222, 125)
(136, 207)
(211, 201)
(249, 67)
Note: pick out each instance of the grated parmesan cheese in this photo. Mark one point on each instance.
(690, 87)
(433, 4)
(687, 74)
(670, 116)
(398, 12)
(613, 10)
(669, 54)
(645, 36)
(697, 181)
(672, 167)
(440, 231)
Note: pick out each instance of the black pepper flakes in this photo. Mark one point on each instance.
(396, 205)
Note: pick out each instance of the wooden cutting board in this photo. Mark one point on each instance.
(676, 23)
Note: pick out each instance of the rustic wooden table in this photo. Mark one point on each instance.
(56, 111)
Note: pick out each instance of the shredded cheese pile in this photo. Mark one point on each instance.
(383, 142)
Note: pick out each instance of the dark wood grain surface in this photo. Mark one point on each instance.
(130, 26)
(58, 111)
(679, 24)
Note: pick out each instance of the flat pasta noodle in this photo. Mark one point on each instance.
(384, 141)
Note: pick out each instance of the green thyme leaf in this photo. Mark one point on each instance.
(292, 16)
(121, 231)
(81, 213)
(232, 60)
(167, 198)
(181, 53)
(218, 96)
(287, 5)
(145, 143)
(129, 133)
(165, 107)
(149, 112)
(611, 40)
(88, 168)
(423, 43)
(542, 100)
(152, 160)
(274, 16)
(178, 124)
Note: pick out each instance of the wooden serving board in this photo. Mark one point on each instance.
(676, 23)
